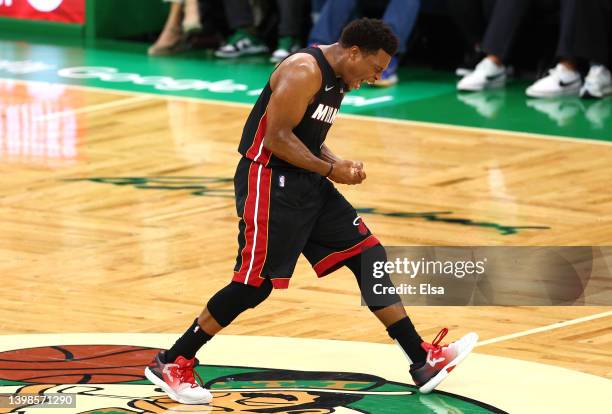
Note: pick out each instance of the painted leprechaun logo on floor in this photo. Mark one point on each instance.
(109, 379)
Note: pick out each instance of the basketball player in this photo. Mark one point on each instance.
(288, 205)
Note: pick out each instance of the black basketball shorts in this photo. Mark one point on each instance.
(285, 213)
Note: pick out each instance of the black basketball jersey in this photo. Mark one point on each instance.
(313, 127)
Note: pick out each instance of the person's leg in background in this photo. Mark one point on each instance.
(170, 39)
(244, 41)
(593, 26)
(401, 16)
(290, 26)
(506, 20)
(582, 37)
(191, 20)
(315, 9)
(471, 18)
(333, 17)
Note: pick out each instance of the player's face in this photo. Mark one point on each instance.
(365, 67)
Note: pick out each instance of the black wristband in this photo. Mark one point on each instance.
(331, 168)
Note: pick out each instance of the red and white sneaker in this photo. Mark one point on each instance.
(441, 360)
(177, 380)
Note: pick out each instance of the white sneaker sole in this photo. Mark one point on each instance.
(553, 94)
(173, 395)
(586, 93)
(237, 54)
(495, 84)
(471, 340)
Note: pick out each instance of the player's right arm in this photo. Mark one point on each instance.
(294, 84)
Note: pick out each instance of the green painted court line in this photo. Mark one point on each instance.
(422, 95)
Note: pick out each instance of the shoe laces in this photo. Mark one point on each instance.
(434, 347)
(185, 371)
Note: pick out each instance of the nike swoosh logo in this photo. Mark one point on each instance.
(328, 88)
(493, 77)
(566, 84)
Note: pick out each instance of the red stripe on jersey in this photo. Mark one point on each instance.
(257, 152)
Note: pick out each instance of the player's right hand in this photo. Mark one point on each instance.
(347, 172)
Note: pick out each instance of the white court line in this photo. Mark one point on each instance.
(545, 328)
(94, 108)
(479, 131)
(132, 93)
(573, 140)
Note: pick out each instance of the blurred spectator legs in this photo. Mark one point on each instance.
(244, 41)
(315, 9)
(471, 17)
(400, 15)
(592, 43)
(290, 27)
(171, 38)
(334, 15)
(583, 36)
(502, 30)
(191, 21)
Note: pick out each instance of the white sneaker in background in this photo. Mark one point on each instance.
(598, 83)
(486, 75)
(561, 81)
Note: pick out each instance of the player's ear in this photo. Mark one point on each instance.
(354, 52)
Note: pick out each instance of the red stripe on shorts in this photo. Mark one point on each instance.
(256, 217)
(334, 260)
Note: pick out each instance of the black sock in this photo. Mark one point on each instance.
(187, 345)
(404, 333)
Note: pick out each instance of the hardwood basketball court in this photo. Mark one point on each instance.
(84, 255)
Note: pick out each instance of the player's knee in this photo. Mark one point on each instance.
(366, 279)
(235, 298)
(374, 254)
(259, 294)
(362, 265)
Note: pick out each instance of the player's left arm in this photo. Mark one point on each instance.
(329, 156)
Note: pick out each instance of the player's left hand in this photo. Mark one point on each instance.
(358, 170)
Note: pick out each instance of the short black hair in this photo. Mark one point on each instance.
(369, 35)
